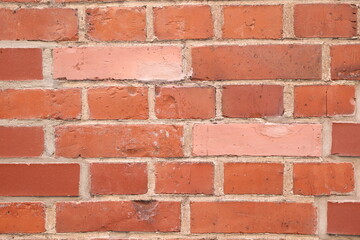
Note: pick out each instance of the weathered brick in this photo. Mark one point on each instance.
(256, 62)
(91, 141)
(39, 179)
(345, 61)
(261, 21)
(185, 102)
(136, 62)
(257, 139)
(253, 217)
(20, 64)
(126, 216)
(118, 103)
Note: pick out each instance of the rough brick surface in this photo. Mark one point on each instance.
(253, 178)
(249, 101)
(185, 103)
(325, 20)
(118, 103)
(322, 100)
(260, 21)
(49, 24)
(343, 218)
(20, 64)
(179, 120)
(116, 24)
(21, 141)
(183, 22)
(22, 218)
(345, 62)
(323, 178)
(345, 139)
(142, 63)
(253, 217)
(39, 179)
(256, 62)
(257, 139)
(93, 141)
(118, 178)
(138, 216)
(39, 103)
(184, 178)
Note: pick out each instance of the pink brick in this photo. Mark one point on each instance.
(257, 139)
(136, 62)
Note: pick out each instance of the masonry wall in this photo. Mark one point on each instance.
(179, 119)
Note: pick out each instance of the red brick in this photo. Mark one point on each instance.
(20, 64)
(323, 178)
(262, 21)
(116, 24)
(185, 102)
(184, 178)
(39, 179)
(136, 62)
(325, 20)
(92, 141)
(48, 24)
(345, 139)
(343, 218)
(22, 218)
(257, 139)
(118, 103)
(40, 103)
(21, 141)
(324, 100)
(22, 1)
(183, 22)
(253, 178)
(253, 217)
(256, 62)
(118, 178)
(345, 62)
(126, 216)
(248, 101)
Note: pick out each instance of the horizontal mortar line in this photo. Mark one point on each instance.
(179, 43)
(88, 84)
(180, 122)
(159, 235)
(169, 2)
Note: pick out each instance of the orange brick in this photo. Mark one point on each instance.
(323, 178)
(261, 21)
(185, 102)
(126, 216)
(118, 178)
(39, 179)
(325, 20)
(116, 24)
(184, 178)
(253, 178)
(256, 62)
(39, 103)
(322, 100)
(48, 24)
(249, 101)
(92, 141)
(183, 22)
(22, 217)
(345, 62)
(118, 103)
(253, 217)
(20, 64)
(21, 141)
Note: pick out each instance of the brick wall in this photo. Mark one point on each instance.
(225, 120)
